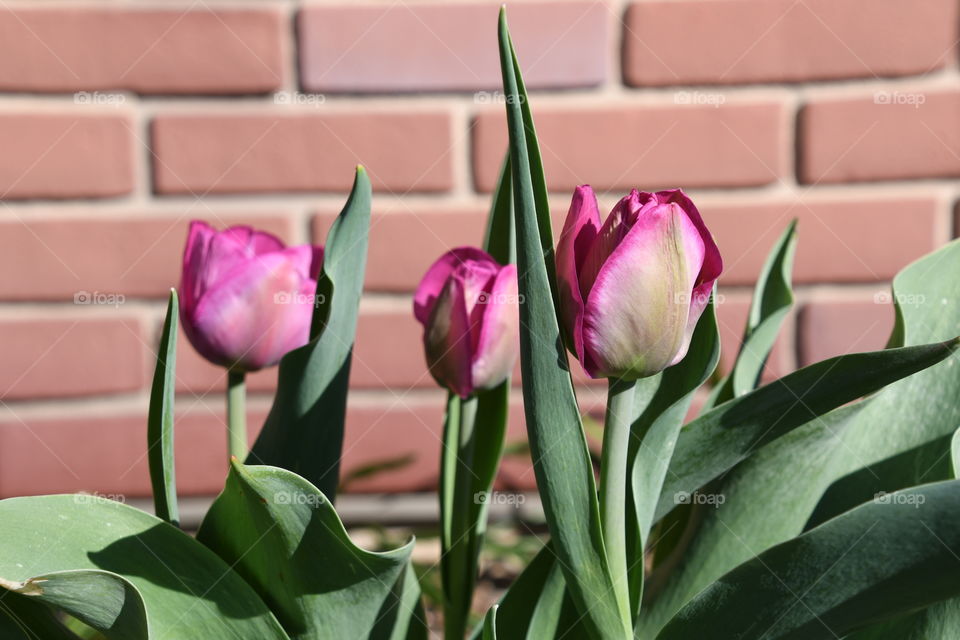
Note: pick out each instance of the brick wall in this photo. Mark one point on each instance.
(121, 121)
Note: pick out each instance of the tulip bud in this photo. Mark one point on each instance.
(468, 306)
(246, 299)
(633, 289)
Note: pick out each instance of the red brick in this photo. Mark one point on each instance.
(836, 327)
(404, 243)
(232, 153)
(732, 145)
(838, 240)
(148, 51)
(738, 41)
(74, 356)
(46, 258)
(437, 47)
(60, 155)
(891, 135)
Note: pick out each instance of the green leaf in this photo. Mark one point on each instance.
(160, 419)
(558, 445)
(869, 564)
(716, 441)
(284, 537)
(25, 618)
(304, 430)
(101, 599)
(770, 497)
(772, 300)
(186, 590)
(500, 237)
(955, 453)
(654, 434)
(490, 624)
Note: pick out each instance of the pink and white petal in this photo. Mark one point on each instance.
(611, 234)
(498, 332)
(638, 308)
(698, 302)
(446, 340)
(435, 279)
(712, 260)
(579, 231)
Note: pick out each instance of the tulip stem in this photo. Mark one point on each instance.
(237, 415)
(613, 485)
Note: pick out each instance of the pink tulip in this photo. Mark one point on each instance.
(632, 290)
(246, 299)
(468, 306)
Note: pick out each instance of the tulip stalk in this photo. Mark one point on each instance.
(237, 414)
(613, 483)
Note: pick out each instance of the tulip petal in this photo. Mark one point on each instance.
(579, 231)
(637, 310)
(709, 271)
(447, 340)
(495, 353)
(436, 277)
(250, 319)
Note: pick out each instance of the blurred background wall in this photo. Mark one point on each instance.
(121, 121)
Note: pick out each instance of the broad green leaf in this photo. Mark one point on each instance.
(284, 537)
(25, 618)
(769, 497)
(187, 591)
(955, 453)
(304, 430)
(881, 559)
(103, 600)
(716, 441)
(490, 624)
(557, 442)
(160, 420)
(654, 434)
(772, 300)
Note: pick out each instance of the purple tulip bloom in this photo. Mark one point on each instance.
(632, 290)
(246, 299)
(468, 306)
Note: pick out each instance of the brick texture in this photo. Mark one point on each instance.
(50, 358)
(43, 257)
(250, 154)
(739, 41)
(835, 327)
(121, 123)
(200, 50)
(435, 47)
(888, 135)
(66, 155)
(656, 146)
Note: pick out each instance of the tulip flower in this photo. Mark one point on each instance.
(246, 301)
(632, 290)
(467, 304)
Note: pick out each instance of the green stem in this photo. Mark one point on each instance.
(237, 415)
(613, 485)
(459, 563)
